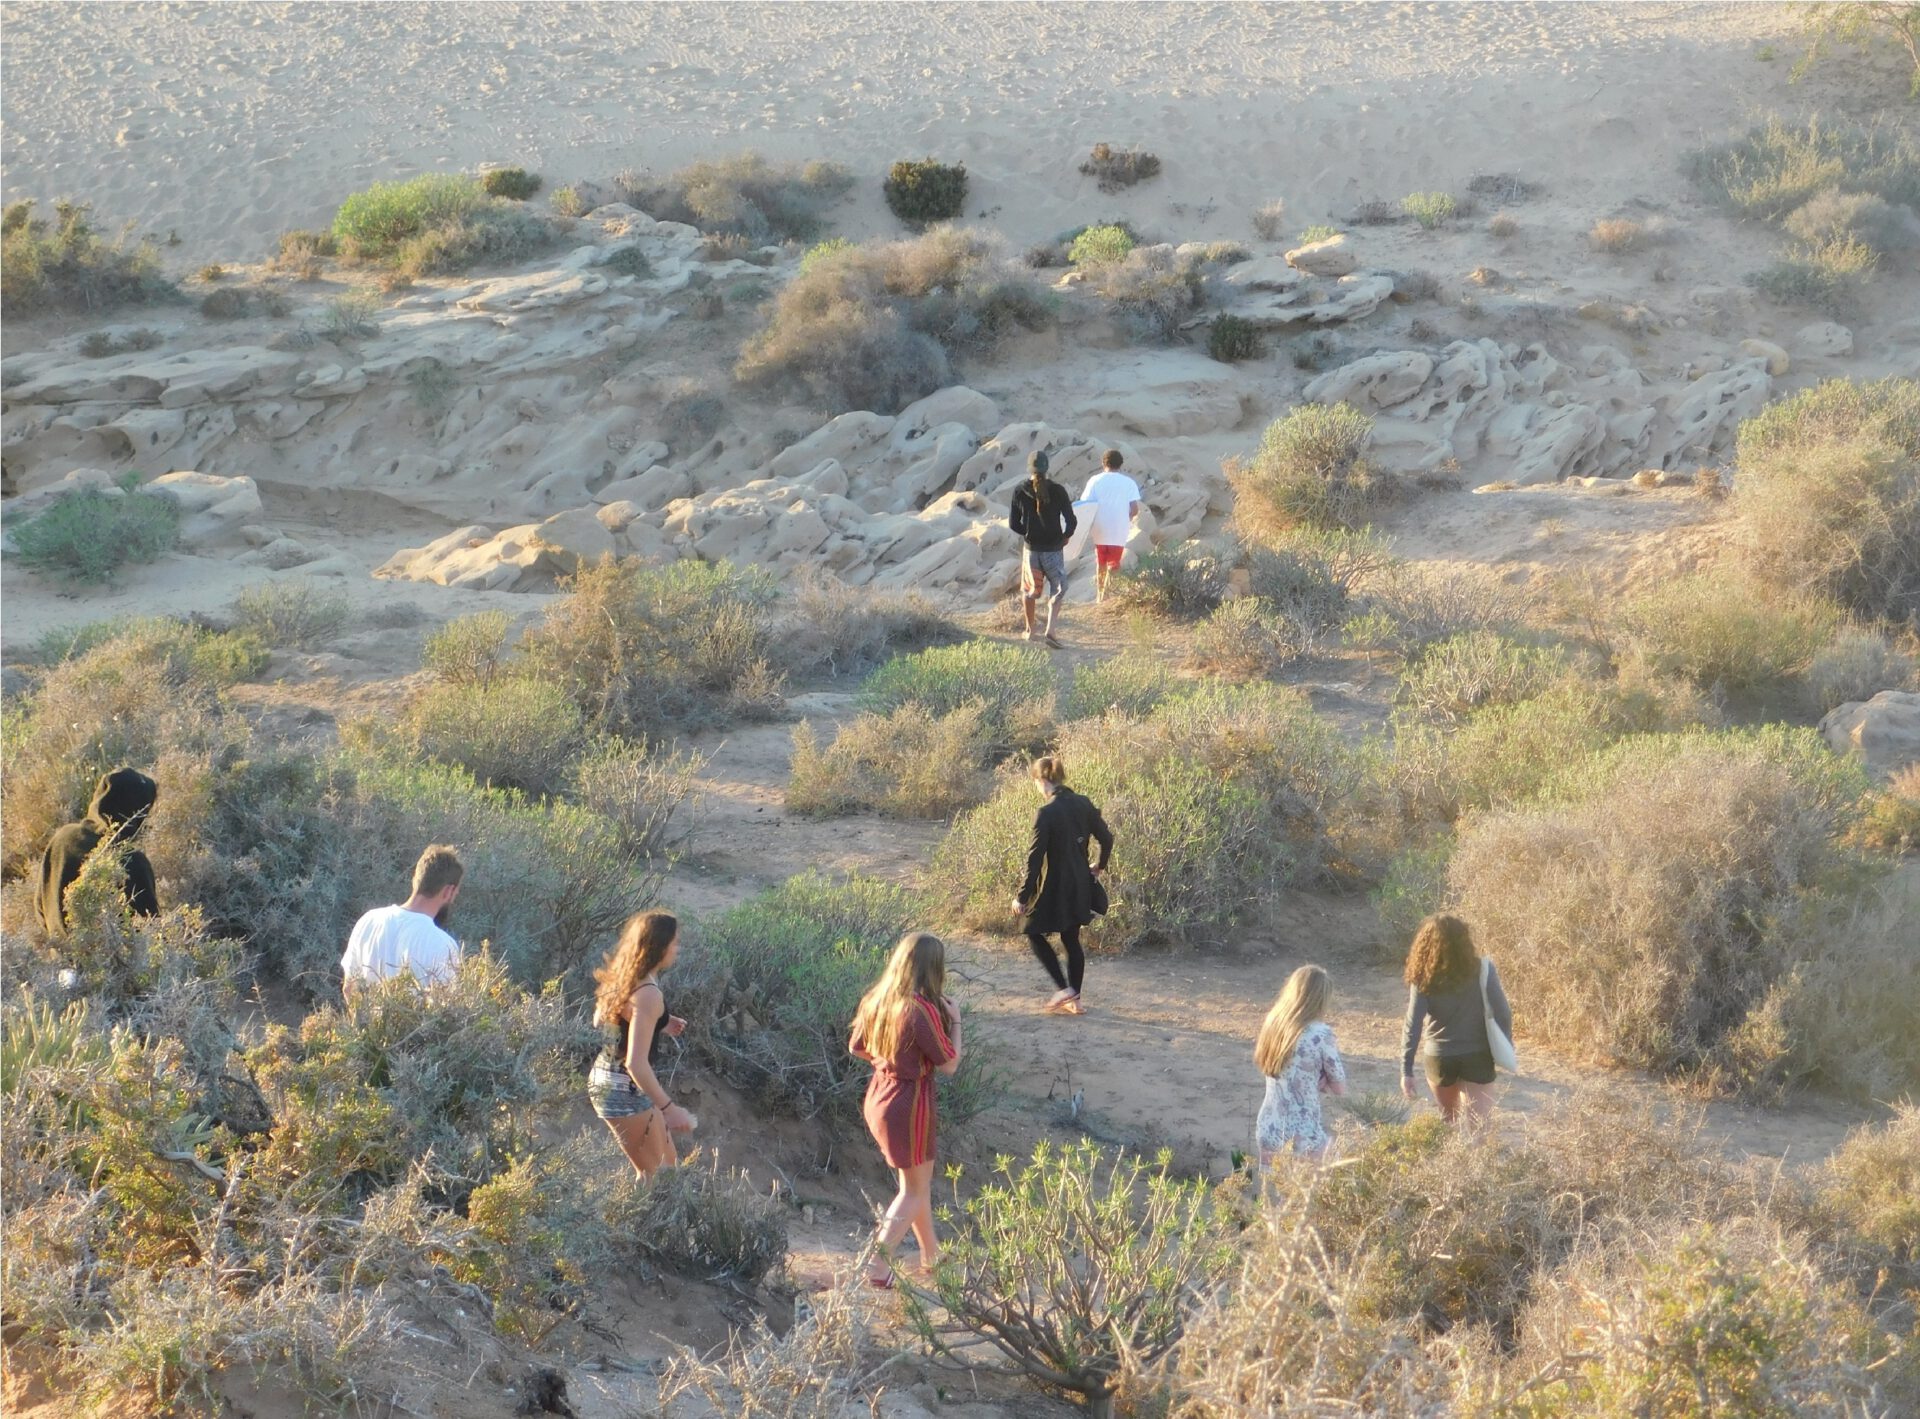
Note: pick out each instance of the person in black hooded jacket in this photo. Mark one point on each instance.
(121, 802)
(1059, 894)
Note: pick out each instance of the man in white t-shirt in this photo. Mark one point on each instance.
(389, 940)
(1117, 499)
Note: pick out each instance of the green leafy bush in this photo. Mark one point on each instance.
(1429, 209)
(1131, 683)
(744, 195)
(66, 265)
(1012, 688)
(1246, 639)
(515, 184)
(1777, 166)
(1311, 470)
(824, 251)
(89, 535)
(1317, 231)
(926, 191)
(517, 731)
(907, 763)
(1153, 291)
(1182, 582)
(1828, 494)
(1723, 633)
(1828, 277)
(379, 220)
(1074, 1265)
(468, 650)
(1100, 246)
(1220, 799)
(1231, 340)
(300, 614)
(1454, 677)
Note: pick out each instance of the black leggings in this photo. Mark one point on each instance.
(1076, 958)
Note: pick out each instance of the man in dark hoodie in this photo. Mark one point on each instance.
(1042, 516)
(121, 802)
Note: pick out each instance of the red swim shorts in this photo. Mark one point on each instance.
(1107, 557)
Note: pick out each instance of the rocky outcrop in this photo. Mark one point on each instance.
(1884, 731)
(1331, 257)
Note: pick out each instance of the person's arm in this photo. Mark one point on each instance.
(1410, 1037)
(857, 1046)
(1133, 511)
(1036, 864)
(1497, 1001)
(1103, 835)
(1333, 1070)
(1068, 520)
(1017, 515)
(648, 1007)
(943, 1048)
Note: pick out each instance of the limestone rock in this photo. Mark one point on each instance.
(212, 509)
(1769, 353)
(652, 490)
(569, 540)
(1823, 337)
(1166, 395)
(1263, 273)
(39, 500)
(1332, 257)
(1884, 731)
(955, 404)
(1378, 381)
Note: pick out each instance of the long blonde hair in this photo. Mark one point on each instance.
(918, 966)
(1302, 1000)
(636, 955)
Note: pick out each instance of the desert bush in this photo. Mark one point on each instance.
(1012, 688)
(1614, 235)
(1724, 633)
(1117, 169)
(350, 317)
(778, 978)
(298, 614)
(821, 251)
(1890, 820)
(469, 650)
(642, 649)
(66, 265)
(1828, 277)
(1224, 253)
(1835, 216)
(1777, 166)
(89, 535)
(1074, 1265)
(516, 731)
(1454, 677)
(1409, 606)
(745, 195)
(1310, 471)
(908, 763)
(1828, 494)
(515, 184)
(1131, 683)
(1317, 231)
(1502, 225)
(500, 233)
(926, 191)
(1231, 340)
(648, 792)
(1501, 754)
(1313, 576)
(877, 326)
(829, 628)
(1269, 220)
(1225, 796)
(1183, 582)
(303, 254)
(1152, 291)
(1629, 913)
(379, 220)
(697, 1220)
(568, 202)
(1246, 639)
(1100, 246)
(832, 1348)
(1429, 209)
(1855, 665)
(1883, 24)
(1868, 1184)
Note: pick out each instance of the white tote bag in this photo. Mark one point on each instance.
(1498, 1045)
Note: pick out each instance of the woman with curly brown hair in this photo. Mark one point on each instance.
(1451, 991)
(630, 1006)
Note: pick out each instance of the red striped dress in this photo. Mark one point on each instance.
(899, 1107)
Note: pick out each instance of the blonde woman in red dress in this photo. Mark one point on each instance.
(909, 1031)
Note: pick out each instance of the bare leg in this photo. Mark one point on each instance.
(1027, 606)
(901, 1215)
(920, 1179)
(1479, 1104)
(1053, 610)
(635, 1135)
(1448, 1097)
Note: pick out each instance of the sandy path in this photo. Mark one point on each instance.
(231, 123)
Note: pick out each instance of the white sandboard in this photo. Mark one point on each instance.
(1083, 534)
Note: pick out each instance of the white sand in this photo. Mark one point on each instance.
(231, 123)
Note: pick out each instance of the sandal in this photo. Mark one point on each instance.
(1054, 641)
(881, 1283)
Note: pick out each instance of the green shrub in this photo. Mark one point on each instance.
(1503, 754)
(1117, 169)
(515, 184)
(878, 326)
(1311, 470)
(1777, 167)
(1828, 494)
(1630, 912)
(1833, 216)
(648, 792)
(926, 191)
(627, 261)
(1314, 575)
(1131, 683)
(517, 731)
(500, 233)
(1317, 231)
(568, 202)
(379, 220)
(1011, 686)
(1828, 277)
(778, 979)
(1429, 209)
(1231, 340)
(745, 196)
(1223, 797)
(1723, 633)
(1100, 246)
(1454, 677)
(300, 614)
(89, 535)
(824, 251)
(1152, 291)
(704, 1223)
(66, 265)
(1868, 1183)
(1855, 665)
(827, 628)
(1247, 639)
(301, 253)
(1016, 1271)
(468, 650)
(1182, 582)
(908, 763)
(641, 648)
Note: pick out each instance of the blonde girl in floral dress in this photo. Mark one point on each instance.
(1297, 1053)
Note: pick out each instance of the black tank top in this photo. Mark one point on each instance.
(619, 1049)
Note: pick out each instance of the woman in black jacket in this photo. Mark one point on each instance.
(1058, 896)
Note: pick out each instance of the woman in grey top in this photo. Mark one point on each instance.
(1447, 1019)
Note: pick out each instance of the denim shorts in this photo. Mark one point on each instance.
(1050, 567)
(612, 1091)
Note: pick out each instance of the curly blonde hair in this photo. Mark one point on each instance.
(1442, 954)
(636, 955)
